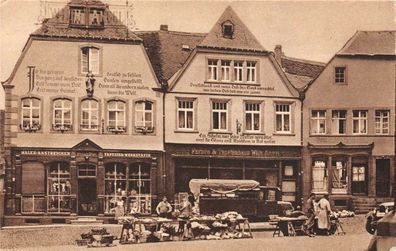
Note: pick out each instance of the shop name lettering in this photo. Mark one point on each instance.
(250, 153)
(232, 88)
(128, 155)
(46, 153)
(233, 138)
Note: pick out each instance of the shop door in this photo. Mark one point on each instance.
(382, 177)
(87, 196)
(359, 179)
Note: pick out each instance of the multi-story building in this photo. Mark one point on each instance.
(230, 110)
(349, 119)
(83, 127)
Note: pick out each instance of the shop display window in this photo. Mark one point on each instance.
(115, 185)
(140, 188)
(340, 176)
(319, 176)
(59, 187)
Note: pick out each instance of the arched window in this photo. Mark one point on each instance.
(62, 114)
(144, 116)
(31, 110)
(90, 60)
(116, 116)
(89, 115)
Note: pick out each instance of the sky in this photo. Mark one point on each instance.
(313, 30)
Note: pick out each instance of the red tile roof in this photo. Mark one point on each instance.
(370, 43)
(58, 26)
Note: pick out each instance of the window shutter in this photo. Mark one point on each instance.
(33, 178)
(84, 60)
(94, 60)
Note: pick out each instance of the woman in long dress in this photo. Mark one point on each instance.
(323, 214)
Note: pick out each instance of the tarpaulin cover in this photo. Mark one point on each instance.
(222, 185)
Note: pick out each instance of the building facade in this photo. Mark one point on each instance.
(83, 127)
(349, 113)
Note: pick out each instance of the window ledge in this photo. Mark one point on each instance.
(219, 132)
(231, 82)
(284, 134)
(253, 133)
(185, 131)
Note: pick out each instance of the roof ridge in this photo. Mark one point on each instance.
(303, 60)
(186, 33)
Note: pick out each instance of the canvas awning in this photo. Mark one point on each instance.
(222, 185)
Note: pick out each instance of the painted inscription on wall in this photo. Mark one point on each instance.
(241, 89)
(234, 138)
(59, 82)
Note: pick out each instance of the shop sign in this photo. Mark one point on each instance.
(128, 155)
(234, 138)
(45, 153)
(243, 153)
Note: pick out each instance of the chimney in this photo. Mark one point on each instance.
(164, 27)
(278, 53)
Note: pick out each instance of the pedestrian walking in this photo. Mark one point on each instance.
(324, 211)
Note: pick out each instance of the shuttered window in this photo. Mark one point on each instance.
(33, 178)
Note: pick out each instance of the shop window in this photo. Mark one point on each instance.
(212, 69)
(319, 176)
(340, 176)
(219, 115)
(382, 122)
(115, 186)
(89, 115)
(225, 70)
(59, 187)
(86, 170)
(283, 115)
(62, 115)
(33, 187)
(31, 110)
(359, 120)
(238, 71)
(340, 75)
(188, 169)
(339, 122)
(140, 187)
(144, 111)
(251, 72)
(318, 122)
(185, 113)
(90, 60)
(116, 116)
(252, 117)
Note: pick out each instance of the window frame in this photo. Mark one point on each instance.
(213, 69)
(336, 67)
(359, 119)
(30, 128)
(315, 121)
(240, 69)
(336, 121)
(381, 122)
(259, 112)
(282, 113)
(125, 124)
(62, 127)
(224, 69)
(185, 111)
(100, 59)
(142, 129)
(90, 109)
(219, 111)
(251, 81)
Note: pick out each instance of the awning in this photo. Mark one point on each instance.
(222, 185)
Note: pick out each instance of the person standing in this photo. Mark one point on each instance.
(185, 213)
(164, 208)
(324, 215)
(310, 213)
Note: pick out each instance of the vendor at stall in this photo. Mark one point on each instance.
(164, 208)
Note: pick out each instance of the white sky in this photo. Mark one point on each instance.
(313, 30)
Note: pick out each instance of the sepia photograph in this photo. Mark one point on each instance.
(182, 125)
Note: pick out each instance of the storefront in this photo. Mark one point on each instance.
(58, 185)
(270, 166)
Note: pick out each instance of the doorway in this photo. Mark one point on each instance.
(87, 196)
(382, 177)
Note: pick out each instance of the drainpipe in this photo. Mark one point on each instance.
(301, 172)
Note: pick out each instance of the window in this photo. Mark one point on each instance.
(225, 70)
(59, 187)
(358, 173)
(31, 109)
(381, 122)
(116, 116)
(340, 176)
(95, 17)
(86, 170)
(140, 187)
(77, 16)
(185, 114)
(212, 69)
(89, 115)
(340, 75)
(33, 187)
(86, 17)
(62, 115)
(115, 185)
(238, 71)
(359, 120)
(228, 29)
(252, 117)
(319, 176)
(251, 71)
(144, 116)
(318, 122)
(219, 115)
(90, 60)
(339, 122)
(282, 114)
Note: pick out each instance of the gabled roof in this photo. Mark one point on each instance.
(242, 38)
(371, 43)
(169, 50)
(58, 26)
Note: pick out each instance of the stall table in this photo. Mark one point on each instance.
(288, 226)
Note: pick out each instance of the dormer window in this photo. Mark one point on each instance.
(87, 17)
(228, 29)
(95, 17)
(77, 16)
